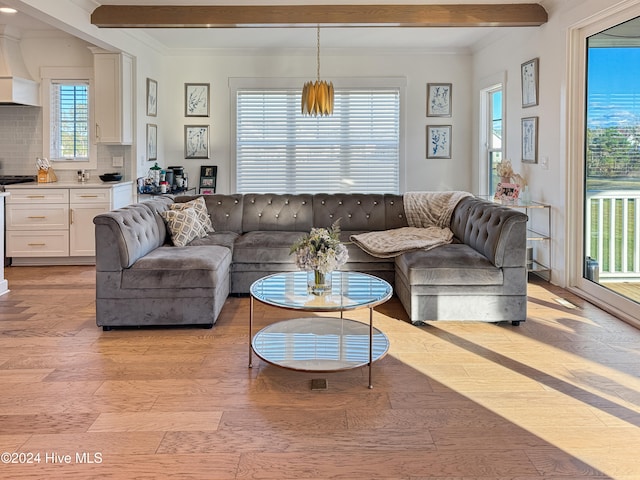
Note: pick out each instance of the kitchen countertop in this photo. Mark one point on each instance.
(71, 184)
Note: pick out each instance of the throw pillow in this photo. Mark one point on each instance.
(199, 205)
(183, 226)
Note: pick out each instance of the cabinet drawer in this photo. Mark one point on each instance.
(90, 195)
(38, 195)
(40, 217)
(41, 244)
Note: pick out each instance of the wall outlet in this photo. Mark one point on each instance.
(117, 161)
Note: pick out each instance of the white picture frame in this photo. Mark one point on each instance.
(529, 81)
(196, 141)
(439, 141)
(196, 99)
(439, 99)
(152, 97)
(152, 141)
(529, 126)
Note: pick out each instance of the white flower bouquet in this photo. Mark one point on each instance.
(504, 169)
(320, 250)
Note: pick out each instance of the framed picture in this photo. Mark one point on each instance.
(530, 140)
(208, 177)
(438, 99)
(152, 141)
(196, 141)
(208, 171)
(196, 99)
(507, 192)
(152, 97)
(207, 191)
(438, 141)
(529, 79)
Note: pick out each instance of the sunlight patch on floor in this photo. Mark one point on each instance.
(552, 400)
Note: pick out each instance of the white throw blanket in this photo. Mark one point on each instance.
(428, 216)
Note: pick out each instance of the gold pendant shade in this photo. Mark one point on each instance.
(317, 97)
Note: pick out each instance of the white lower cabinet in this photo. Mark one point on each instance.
(55, 225)
(84, 204)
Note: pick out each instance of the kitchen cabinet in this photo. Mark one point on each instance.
(37, 222)
(113, 97)
(52, 225)
(84, 204)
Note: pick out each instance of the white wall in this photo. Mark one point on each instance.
(420, 173)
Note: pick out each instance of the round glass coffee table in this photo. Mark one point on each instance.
(319, 344)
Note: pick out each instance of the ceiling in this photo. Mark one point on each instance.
(279, 39)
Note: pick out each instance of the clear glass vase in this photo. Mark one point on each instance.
(318, 283)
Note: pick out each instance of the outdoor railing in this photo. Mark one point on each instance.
(613, 225)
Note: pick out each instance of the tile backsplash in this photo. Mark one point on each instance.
(21, 144)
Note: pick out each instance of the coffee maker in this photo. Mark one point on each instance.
(175, 178)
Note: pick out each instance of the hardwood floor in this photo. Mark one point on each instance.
(556, 398)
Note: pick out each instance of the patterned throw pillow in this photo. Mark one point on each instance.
(199, 205)
(183, 225)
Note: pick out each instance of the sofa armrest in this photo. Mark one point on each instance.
(127, 234)
(498, 232)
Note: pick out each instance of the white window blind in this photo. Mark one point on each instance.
(355, 150)
(69, 121)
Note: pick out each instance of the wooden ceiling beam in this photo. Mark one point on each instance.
(238, 16)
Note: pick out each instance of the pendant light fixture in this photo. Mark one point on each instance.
(317, 97)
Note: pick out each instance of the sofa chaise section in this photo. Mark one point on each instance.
(140, 281)
(481, 276)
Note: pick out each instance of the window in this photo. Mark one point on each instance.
(69, 121)
(494, 135)
(492, 132)
(67, 117)
(357, 149)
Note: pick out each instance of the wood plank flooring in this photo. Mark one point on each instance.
(556, 398)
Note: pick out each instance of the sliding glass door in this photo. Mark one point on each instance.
(612, 160)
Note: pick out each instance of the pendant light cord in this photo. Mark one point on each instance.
(318, 51)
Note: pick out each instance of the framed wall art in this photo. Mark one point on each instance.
(529, 80)
(196, 141)
(439, 99)
(207, 191)
(152, 141)
(152, 97)
(196, 99)
(530, 140)
(438, 141)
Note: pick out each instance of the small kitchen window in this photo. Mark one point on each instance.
(69, 121)
(67, 116)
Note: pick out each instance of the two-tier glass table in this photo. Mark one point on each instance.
(319, 344)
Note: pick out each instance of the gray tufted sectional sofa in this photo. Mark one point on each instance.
(143, 280)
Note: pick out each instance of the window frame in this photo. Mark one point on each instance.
(48, 76)
(237, 84)
(489, 86)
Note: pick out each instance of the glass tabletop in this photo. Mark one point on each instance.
(319, 344)
(349, 290)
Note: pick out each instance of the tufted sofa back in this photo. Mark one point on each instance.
(356, 211)
(225, 211)
(269, 212)
(136, 230)
(497, 232)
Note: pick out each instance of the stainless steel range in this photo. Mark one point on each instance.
(11, 180)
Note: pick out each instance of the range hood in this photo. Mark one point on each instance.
(16, 85)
